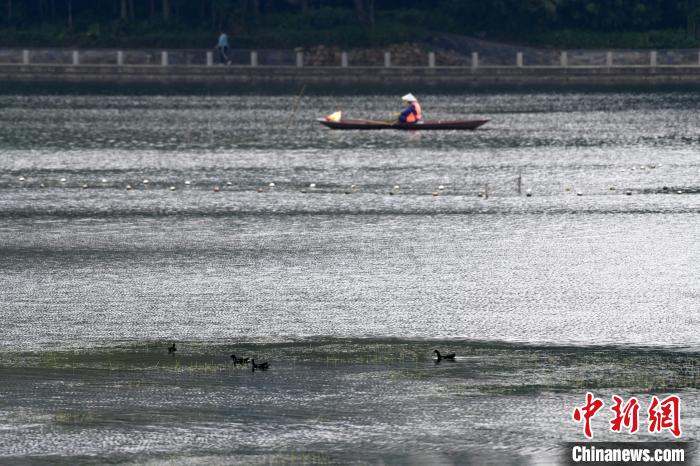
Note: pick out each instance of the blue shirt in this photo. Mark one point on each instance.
(223, 41)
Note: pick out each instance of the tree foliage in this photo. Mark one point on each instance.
(107, 21)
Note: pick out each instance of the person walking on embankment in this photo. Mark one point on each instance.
(222, 48)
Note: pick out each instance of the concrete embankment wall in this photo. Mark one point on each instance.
(353, 75)
(289, 67)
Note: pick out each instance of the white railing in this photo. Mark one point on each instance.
(298, 58)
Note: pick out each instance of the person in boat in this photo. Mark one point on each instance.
(412, 113)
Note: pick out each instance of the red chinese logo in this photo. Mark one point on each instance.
(665, 414)
(587, 412)
(625, 416)
(662, 414)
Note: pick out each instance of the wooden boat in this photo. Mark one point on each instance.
(426, 125)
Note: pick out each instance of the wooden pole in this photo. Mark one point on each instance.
(520, 182)
(296, 106)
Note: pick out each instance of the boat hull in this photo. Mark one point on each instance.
(427, 125)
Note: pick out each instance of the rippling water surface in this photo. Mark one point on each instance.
(344, 258)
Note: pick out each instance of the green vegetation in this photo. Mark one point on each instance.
(356, 23)
(75, 417)
(655, 39)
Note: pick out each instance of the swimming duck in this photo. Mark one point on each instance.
(239, 360)
(262, 366)
(172, 349)
(440, 357)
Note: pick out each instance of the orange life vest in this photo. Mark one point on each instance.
(418, 116)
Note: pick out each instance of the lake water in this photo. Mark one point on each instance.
(343, 258)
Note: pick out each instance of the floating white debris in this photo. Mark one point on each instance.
(145, 181)
(187, 182)
(216, 189)
(85, 186)
(441, 187)
(629, 193)
(128, 187)
(228, 183)
(353, 186)
(42, 185)
(579, 193)
(396, 186)
(435, 193)
(104, 180)
(272, 185)
(21, 178)
(679, 191)
(172, 188)
(528, 193)
(63, 180)
(312, 185)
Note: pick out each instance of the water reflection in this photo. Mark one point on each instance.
(87, 264)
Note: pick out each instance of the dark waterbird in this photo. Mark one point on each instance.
(172, 349)
(440, 357)
(262, 366)
(239, 360)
